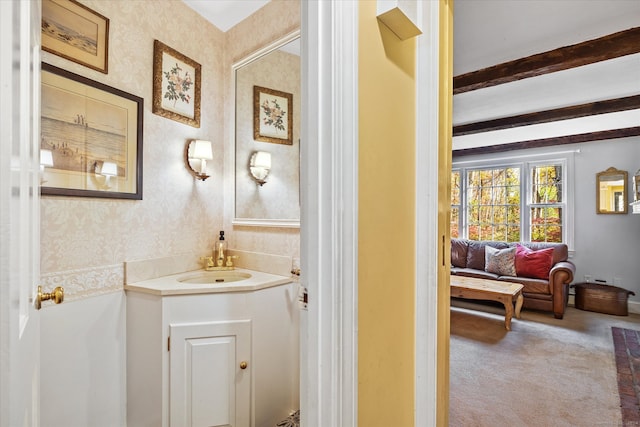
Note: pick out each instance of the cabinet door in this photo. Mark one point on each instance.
(207, 385)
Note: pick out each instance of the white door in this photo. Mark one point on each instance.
(19, 212)
(210, 374)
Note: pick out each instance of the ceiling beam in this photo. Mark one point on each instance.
(565, 113)
(547, 142)
(614, 45)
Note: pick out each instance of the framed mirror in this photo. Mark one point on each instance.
(636, 187)
(611, 191)
(267, 141)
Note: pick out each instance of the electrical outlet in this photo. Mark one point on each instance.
(587, 278)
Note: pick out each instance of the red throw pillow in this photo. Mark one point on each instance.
(534, 264)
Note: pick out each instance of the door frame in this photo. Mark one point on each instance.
(329, 217)
(433, 170)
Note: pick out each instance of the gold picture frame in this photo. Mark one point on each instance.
(91, 138)
(74, 32)
(272, 119)
(611, 191)
(176, 85)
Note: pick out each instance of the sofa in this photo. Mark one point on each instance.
(542, 268)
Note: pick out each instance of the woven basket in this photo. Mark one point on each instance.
(602, 298)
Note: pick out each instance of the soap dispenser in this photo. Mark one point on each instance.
(221, 247)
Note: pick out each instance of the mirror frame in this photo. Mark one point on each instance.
(258, 222)
(625, 192)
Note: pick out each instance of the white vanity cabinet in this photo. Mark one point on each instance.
(212, 359)
(209, 375)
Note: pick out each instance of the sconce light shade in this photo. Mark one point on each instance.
(260, 165)
(202, 150)
(102, 173)
(198, 150)
(46, 161)
(109, 169)
(46, 158)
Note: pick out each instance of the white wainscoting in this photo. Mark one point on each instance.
(83, 356)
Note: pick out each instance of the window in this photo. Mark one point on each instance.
(545, 206)
(455, 204)
(511, 201)
(493, 204)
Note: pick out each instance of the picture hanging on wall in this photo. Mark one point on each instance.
(176, 85)
(91, 138)
(272, 121)
(75, 32)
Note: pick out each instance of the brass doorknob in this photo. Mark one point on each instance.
(57, 296)
(243, 365)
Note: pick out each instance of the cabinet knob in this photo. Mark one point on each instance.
(243, 365)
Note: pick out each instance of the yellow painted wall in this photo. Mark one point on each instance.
(386, 276)
(445, 128)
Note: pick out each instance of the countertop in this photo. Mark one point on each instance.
(171, 285)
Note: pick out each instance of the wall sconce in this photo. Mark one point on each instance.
(109, 169)
(103, 171)
(198, 151)
(260, 165)
(46, 161)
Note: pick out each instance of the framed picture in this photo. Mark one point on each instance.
(176, 85)
(91, 138)
(272, 119)
(75, 32)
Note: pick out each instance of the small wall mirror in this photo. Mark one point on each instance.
(611, 191)
(267, 127)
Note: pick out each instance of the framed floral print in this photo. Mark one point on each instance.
(75, 32)
(176, 85)
(90, 138)
(272, 120)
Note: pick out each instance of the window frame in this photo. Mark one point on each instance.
(463, 182)
(525, 163)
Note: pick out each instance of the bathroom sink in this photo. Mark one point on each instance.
(214, 277)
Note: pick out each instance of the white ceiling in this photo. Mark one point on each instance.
(225, 14)
(489, 32)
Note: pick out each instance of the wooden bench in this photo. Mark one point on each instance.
(490, 290)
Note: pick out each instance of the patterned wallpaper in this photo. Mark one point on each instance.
(86, 240)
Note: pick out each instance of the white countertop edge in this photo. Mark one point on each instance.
(169, 285)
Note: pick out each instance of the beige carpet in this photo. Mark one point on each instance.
(544, 372)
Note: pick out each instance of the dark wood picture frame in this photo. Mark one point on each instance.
(272, 116)
(87, 128)
(176, 85)
(73, 31)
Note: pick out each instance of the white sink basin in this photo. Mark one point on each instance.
(214, 277)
